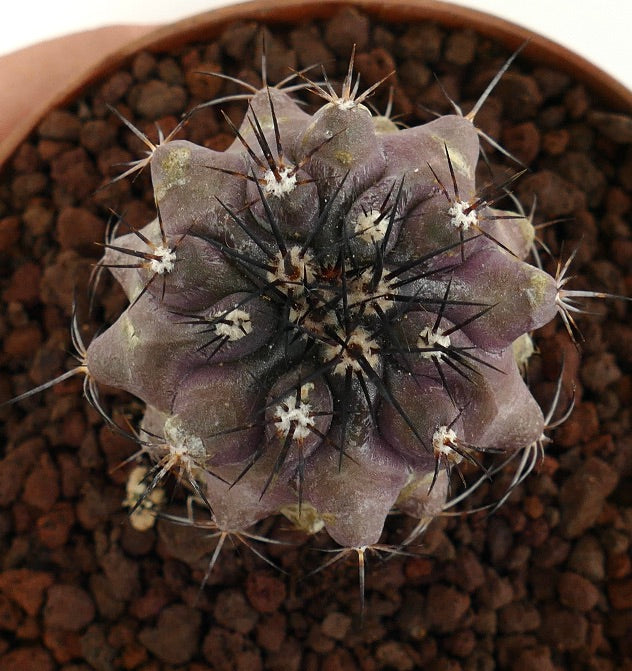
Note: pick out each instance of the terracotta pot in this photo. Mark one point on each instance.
(210, 24)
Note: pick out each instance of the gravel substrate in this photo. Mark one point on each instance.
(544, 583)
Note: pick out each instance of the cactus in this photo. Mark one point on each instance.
(327, 319)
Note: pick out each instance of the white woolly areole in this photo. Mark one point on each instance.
(359, 344)
(289, 412)
(362, 293)
(461, 218)
(279, 187)
(345, 103)
(300, 267)
(350, 103)
(182, 445)
(234, 325)
(428, 338)
(164, 262)
(443, 441)
(366, 228)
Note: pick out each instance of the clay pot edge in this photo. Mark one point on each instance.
(210, 24)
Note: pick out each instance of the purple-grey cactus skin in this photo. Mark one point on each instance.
(325, 317)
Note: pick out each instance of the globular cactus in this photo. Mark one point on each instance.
(327, 318)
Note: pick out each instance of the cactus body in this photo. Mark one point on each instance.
(325, 317)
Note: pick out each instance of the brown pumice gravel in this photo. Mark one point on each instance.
(545, 583)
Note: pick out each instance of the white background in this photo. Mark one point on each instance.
(599, 30)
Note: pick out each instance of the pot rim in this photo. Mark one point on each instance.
(209, 25)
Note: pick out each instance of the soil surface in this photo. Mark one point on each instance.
(544, 583)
